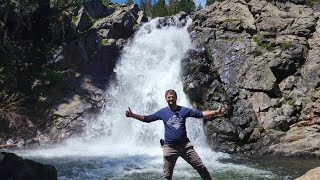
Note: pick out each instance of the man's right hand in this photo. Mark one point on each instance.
(129, 113)
(220, 109)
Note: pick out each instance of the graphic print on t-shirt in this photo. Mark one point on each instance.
(175, 121)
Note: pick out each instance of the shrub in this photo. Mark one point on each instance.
(10, 105)
(285, 45)
(51, 77)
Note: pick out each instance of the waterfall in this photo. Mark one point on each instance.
(149, 65)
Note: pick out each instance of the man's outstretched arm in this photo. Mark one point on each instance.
(220, 110)
(129, 113)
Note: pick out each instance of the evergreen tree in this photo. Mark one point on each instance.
(172, 9)
(160, 9)
(199, 7)
(209, 2)
(129, 2)
(105, 2)
(187, 6)
(143, 5)
(149, 8)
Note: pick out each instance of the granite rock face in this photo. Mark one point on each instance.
(261, 60)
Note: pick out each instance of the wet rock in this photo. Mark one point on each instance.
(15, 168)
(312, 174)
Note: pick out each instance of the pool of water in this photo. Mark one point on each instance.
(146, 163)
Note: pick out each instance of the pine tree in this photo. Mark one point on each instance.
(105, 2)
(149, 8)
(199, 7)
(143, 5)
(172, 9)
(209, 2)
(160, 9)
(187, 6)
(129, 2)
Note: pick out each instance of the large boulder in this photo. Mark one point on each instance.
(15, 168)
(312, 174)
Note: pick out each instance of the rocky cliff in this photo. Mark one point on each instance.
(261, 59)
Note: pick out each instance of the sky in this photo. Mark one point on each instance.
(197, 2)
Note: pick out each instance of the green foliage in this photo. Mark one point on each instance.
(199, 7)
(231, 20)
(149, 8)
(285, 45)
(104, 42)
(74, 19)
(105, 2)
(267, 46)
(143, 5)
(257, 40)
(172, 8)
(51, 77)
(311, 2)
(10, 105)
(160, 9)
(187, 6)
(209, 2)
(291, 102)
(129, 2)
(257, 52)
(288, 100)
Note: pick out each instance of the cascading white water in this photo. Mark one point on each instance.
(149, 65)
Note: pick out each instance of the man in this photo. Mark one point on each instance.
(176, 142)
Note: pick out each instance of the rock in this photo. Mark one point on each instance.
(260, 101)
(255, 136)
(265, 54)
(258, 73)
(299, 141)
(97, 48)
(142, 17)
(288, 83)
(95, 9)
(73, 105)
(302, 26)
(313, 174)
(278, 123)
(289, 61)
(272, 19)
(288, 110)
(15, 168)
(83, 20)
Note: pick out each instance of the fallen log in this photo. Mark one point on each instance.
(7, 145)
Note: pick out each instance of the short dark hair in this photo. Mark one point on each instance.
(171, 91)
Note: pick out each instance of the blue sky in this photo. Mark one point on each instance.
(197, 2)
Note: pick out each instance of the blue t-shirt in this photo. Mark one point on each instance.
(174, 123)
